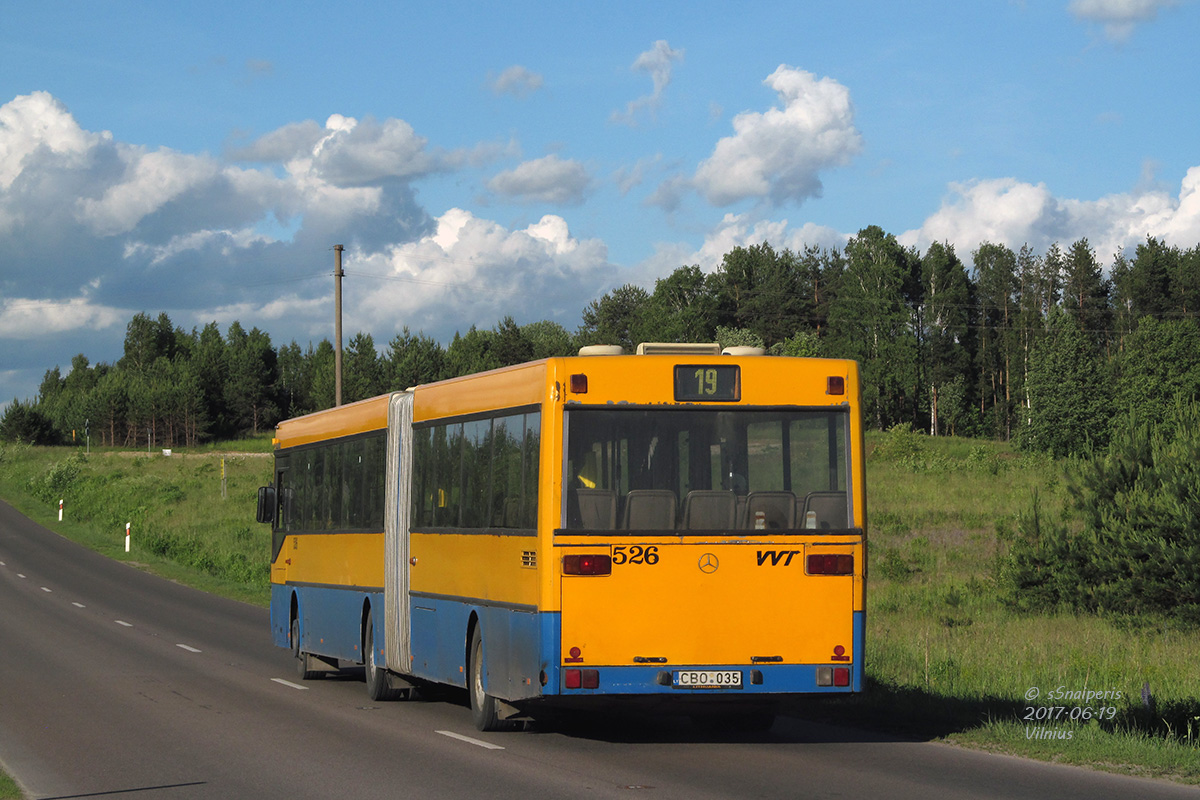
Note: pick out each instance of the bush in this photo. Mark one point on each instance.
(1129, 540)
(57, 481)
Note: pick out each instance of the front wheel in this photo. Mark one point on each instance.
(304, 670)
(484, 708)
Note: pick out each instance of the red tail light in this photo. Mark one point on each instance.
(830, 564)
(581, 679)
(587, 565)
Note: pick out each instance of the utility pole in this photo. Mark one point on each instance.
(337, 325)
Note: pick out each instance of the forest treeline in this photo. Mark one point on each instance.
(1047, 349)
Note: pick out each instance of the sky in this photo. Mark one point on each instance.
(521, 159)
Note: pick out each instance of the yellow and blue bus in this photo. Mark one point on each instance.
(680, 526)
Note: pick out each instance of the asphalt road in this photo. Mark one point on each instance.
(114, 683)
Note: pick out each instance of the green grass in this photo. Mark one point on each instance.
(181, 524)
(8, 788)
(946, 658)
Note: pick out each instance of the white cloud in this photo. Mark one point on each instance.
(1118, 16)
(475, 271)
(1014, 213)
(740, 230)
(657, 62)
(628, 178)
(517, 81)
(23, 319)
(544, 180)
(357, 154)
(151, 180)
(39, 122)
(777, 155)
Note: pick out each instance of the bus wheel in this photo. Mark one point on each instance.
(379, 687)
(304, 668)
(484, 710)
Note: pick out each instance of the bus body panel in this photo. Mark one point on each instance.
(491, 568)
(512, 645)
(330, 619)
(711, 602)
(332, 559)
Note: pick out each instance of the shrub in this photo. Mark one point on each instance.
(1129, 539)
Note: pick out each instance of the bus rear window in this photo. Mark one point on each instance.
(709, 469)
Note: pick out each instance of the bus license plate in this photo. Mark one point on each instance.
(707, 679)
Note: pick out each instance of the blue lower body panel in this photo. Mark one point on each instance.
(511, 645)
(521, 649)
(330, 619)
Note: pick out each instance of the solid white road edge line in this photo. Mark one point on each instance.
(469, 740)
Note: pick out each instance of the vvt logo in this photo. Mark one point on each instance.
(775, 556)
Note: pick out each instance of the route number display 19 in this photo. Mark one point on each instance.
(707, 383)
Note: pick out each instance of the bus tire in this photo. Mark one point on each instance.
(304, 670)
(484, 709)
(379, 686)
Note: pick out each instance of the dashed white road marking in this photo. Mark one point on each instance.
(189, 648)
(47, 589)
(290, 684)
(469, 740)
(19, 575)
(123, 622)
(79, 605)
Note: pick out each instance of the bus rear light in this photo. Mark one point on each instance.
(835, 384)
(578, 383)
(841, 676)
(587, 564)
(581, 678)
(830, 564)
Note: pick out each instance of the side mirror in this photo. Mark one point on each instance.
(266, 504)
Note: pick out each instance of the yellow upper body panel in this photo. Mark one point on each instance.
(764, 380)
(347, 420)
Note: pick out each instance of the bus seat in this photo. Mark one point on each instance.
(778, 509)
(597, 509)
(649, 509)
(709, 509)
(828, 507)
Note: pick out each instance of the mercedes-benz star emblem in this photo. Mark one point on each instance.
(709, 563)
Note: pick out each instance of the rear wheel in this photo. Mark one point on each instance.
(379, 686)
(304, 670)
(484, 709)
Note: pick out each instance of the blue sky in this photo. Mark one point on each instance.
(524, 158)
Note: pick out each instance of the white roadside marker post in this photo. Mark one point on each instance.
(126, 537)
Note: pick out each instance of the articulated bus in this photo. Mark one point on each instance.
(682, 527)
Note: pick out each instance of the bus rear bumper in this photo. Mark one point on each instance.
(729, 680)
